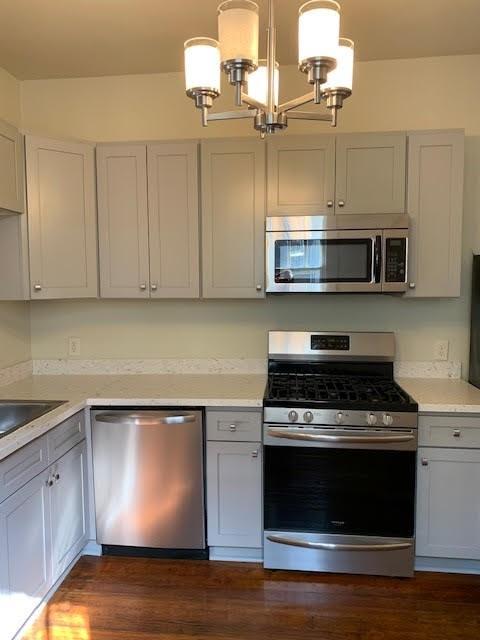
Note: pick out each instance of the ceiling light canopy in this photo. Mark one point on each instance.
(326, 59)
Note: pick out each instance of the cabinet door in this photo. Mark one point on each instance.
(435, 206)
(448, 503)
(370, 173)
(301, 175)
(69, 508)
(25, 553)
(234, 494)
(173, 220)
(62, 222)
(233, 222)
(123, 221)
(12, 184)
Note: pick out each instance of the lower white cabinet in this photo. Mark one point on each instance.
(69, 508)
(25, 553)
(448, 503)
(43, 527)
(234, 494)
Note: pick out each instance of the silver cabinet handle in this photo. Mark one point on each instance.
(154, 286)
(233, 427)
(145, 420)
(412, 285)
(329, 204)
(37, 287)
(424, 462)
(49, 482)
(57, 477)
(341, 203)
(330, 546)
(143, 286)
(457, 433)
(258, 287)
(255, 454)
(329, 438)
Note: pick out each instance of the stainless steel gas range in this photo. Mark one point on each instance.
(340, 442)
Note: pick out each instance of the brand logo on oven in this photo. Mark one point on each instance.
(338, 523)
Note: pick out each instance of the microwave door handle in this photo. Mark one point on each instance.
(377, 260)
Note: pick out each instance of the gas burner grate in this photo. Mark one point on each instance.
(327, 388)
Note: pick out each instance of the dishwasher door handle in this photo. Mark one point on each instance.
(143, 419)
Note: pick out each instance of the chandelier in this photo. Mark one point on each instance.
(323, 56)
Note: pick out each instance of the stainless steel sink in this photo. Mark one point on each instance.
(17, 413)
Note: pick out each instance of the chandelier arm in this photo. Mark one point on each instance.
(231, 115)
(297, 102)
(253, 103)
(309, 115)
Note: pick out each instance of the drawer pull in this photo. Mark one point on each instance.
(233, 427)
(255, 454)
(457, 433)
(424, 462)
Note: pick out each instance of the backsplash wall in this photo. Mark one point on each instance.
(389, 95)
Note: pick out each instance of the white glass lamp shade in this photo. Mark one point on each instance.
(202, 64)
(342, 76)
(258, 83)
(238, 30)
(318, 29)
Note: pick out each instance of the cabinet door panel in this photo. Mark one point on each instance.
(448, 503)
(173, 220)
(435, 206)
(25, 553)
(123, 221)
(12, 189)
(301, 175)
(62, 219)
(233, 223)
(69, 508)
(234, 494)
(370, 173)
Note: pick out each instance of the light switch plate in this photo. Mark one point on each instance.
(441, 350)
(74, 346)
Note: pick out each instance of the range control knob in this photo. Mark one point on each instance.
(292, 416)
(308, 416)
(387, 420)
(339, 418)
(371, 419)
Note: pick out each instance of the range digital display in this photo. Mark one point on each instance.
(330, 343)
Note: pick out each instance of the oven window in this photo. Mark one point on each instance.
(304, 261)
(345, 491)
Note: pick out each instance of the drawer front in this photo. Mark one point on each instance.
(235, 426)
(23, 465)
(65, 436)
(449, 431)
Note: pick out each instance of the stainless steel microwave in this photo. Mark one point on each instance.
(337, 254)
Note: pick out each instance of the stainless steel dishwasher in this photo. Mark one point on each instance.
(149, 481)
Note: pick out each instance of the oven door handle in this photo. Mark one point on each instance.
(340, 439)
(330, 546)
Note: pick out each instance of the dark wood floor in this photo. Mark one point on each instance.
(134, 598)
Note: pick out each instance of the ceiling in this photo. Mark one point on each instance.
(74, 38)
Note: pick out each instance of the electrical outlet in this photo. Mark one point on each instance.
(74, 346)
(441, 350)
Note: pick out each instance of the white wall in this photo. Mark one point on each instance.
(390, 95)
(14, 316)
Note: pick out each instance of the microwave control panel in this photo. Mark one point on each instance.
(395, 259)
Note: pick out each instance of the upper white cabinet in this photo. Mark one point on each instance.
(62, 222)
(435, 206)
(123, 221)
(301, 175)
(12, 163)
(233, 218)
(370, 173)
(173, 220)
(148, 236)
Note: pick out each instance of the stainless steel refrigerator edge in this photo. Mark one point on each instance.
(148, 478)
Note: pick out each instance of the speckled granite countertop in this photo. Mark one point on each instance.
(204, 390)
(207, 390)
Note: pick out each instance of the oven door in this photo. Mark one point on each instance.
(335, 501)
(324, 261)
